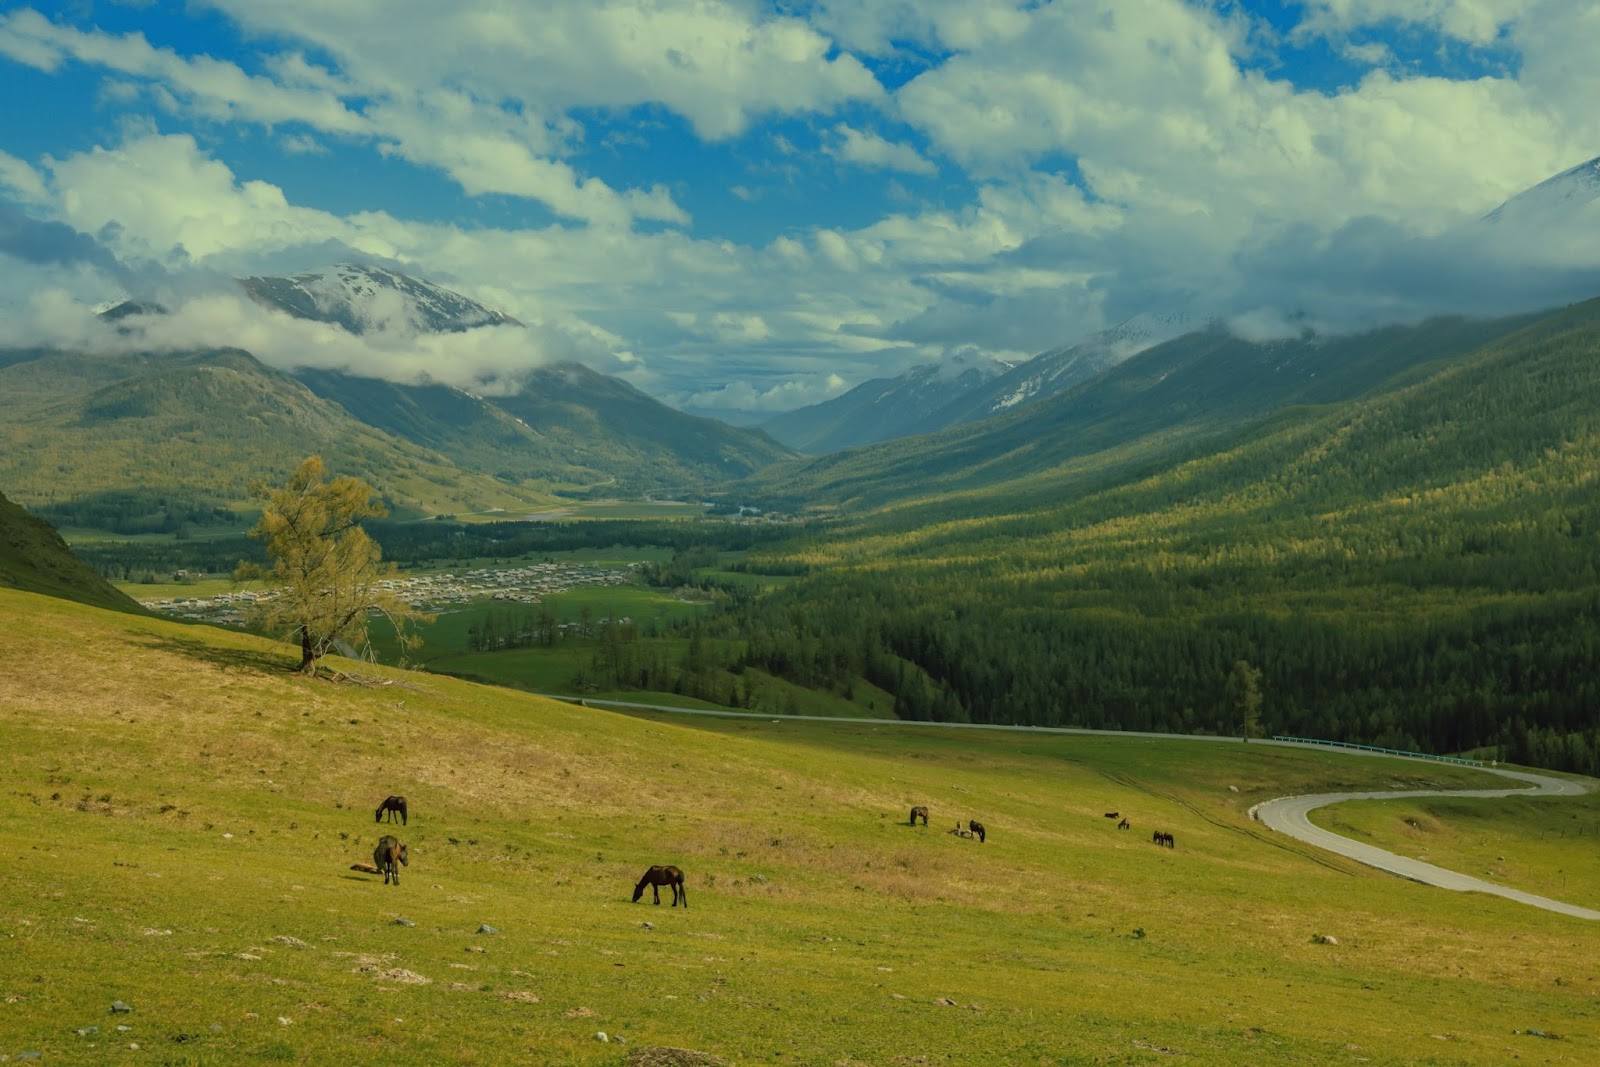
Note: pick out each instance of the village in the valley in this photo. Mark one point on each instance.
(526, 584)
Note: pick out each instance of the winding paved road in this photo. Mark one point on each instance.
(1286, 815)
(1289, 815)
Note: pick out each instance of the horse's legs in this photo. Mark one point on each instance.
(655, 887)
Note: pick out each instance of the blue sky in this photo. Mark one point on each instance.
(749, 206)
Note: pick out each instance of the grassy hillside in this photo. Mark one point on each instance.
(33, 557)
(148, 442)
(216, 898)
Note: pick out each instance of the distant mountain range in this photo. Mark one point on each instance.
(162, 439)
(883, 407)
(887, 408)
(1168, 401)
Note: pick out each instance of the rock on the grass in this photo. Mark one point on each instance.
(119, 1007)
(485, 928)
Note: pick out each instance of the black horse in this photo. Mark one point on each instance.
(389, 857)
(977, 830)
(392, 805)
(919, 812)
(658, 876)
(1124, 825)
(1161, 837)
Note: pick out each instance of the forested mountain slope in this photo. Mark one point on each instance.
(1419, 568)
(1157, 405)
(158, 441)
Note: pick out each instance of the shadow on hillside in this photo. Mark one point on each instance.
(241, 659)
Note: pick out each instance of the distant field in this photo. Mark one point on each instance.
(593, 509)
(216, 896)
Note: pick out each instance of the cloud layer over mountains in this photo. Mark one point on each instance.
(746, 205)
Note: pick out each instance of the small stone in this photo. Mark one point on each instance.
(134, 1045)
(119, 1007)
(123, 1028)
(88, 1031)
(600, 1035)
(284, 1020)
(474, 948)
(485, 928)
(648, 925)
(404, 922)
(946, 1002)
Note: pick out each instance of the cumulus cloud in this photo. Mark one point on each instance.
(1095, 160)
(867, 149)
(485, 360)
(54, 244)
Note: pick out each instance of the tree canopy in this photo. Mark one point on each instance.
(327, 574)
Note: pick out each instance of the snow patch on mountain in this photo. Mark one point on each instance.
(365, 299)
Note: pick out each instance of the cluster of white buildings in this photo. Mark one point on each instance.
(526, 584)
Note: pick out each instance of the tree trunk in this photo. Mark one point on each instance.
(308, 655)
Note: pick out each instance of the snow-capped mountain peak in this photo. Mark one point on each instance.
(365, 298)
(1552, 199)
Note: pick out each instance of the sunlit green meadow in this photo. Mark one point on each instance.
(179, 813)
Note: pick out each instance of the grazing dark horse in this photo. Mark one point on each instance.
(977, 829)
(658, 876)
(389, 857)
(1124, 825)
(391, 805)
(919, 812)
(1113, 815)
(1161, 837)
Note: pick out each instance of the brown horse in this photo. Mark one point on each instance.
(389, 857)
(1124, 825)
(919, 812)
(658, 876)
(977, 830)
(392, 805)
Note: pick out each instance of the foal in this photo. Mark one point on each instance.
(919, 812)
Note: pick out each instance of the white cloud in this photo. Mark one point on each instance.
(867, 149)
(783, 396)
(718, 64)
(1473, 21)
(19, 179)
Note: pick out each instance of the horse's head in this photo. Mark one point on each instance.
(403, 858)
(638, 891)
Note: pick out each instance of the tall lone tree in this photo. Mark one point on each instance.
(327, 573)
(1244, 694)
